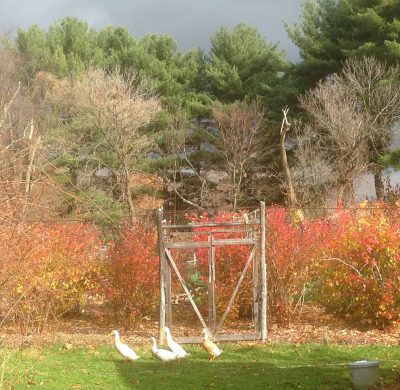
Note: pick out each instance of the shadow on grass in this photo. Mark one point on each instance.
(230, 375)
(390, 380)
(249, 367)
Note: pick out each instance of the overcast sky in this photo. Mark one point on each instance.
(190, 22)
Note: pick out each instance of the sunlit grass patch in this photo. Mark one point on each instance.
(247, 366)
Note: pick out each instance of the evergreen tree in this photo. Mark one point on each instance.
(70, 45)
(332, 30)
(64, 49)
(242, 64)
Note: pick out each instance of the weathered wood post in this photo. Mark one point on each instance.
(212, 309)
(162, 265)
(256, 293)
(264, 330)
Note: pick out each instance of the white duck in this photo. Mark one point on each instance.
(124, 350)
(174, 346)
(209, 346)
(162, 354)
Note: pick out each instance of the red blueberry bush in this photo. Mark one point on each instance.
(359, 271)
(348, 262)
(229, 264)
(291, 250)
(46, 270)
(130, 277)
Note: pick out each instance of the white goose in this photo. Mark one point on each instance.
(162, 354)
(174, 346)
(124, 350)
(209, 346)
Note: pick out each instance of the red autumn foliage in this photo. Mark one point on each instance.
(46, 270)
(230, 262)
(291, 248)
(290, 251)
(130, 277)
(348, 262)
(359, 275)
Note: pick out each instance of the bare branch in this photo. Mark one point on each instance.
(346, 264)
(7, 106)
(351, 123)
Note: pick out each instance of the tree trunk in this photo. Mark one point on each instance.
(288, 178)
(128, 194)
(340, 201)
(379, 185)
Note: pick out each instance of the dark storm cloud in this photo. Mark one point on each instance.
(190, 22)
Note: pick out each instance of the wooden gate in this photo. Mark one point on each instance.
(170, 237)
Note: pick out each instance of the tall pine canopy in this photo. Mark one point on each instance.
(332, 30)
(242, 64)
(70, 45)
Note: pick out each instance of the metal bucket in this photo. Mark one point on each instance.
(364, 373)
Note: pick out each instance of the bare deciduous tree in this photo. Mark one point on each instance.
(19, 138)
(313, 178)
(376, 89)
(240, 126)
(351, 122)
(112, 110)
(339, 128)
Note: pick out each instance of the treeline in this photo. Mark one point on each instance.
(102, 124)
(241, 64)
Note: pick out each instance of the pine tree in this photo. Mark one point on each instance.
(243, 65)
(332, 30)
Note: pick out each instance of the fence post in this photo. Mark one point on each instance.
(161, 252)
(212, 314)
(264, 329)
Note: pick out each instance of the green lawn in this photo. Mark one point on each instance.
(241, 366)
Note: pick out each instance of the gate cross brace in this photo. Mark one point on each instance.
(235, 292)
(172, 262)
